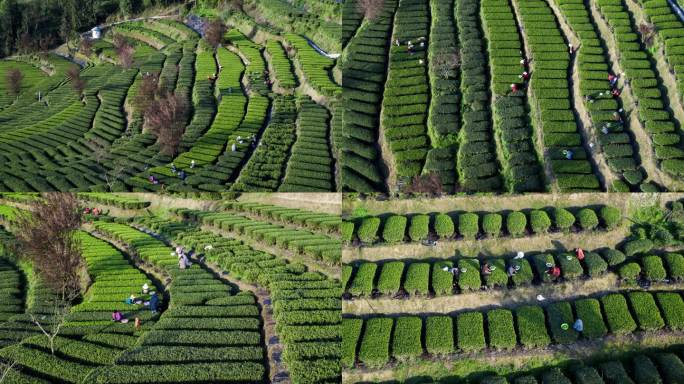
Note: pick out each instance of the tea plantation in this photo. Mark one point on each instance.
(568, 289)
(262, 107)
(237, 314)
(512, 96)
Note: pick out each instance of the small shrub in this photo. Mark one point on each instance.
(653, 268)
(439, 335)
(468, 225)
(470, 279)
(419, 228)
(347, 228)
(629, 271)
(638, 246)
(374, 350)
(516, 223)
(614, 257)
(532, 327)
(444, 226)
(442, 281)
(620, 321)
(539, 221)
(395, 227)
(675, 266)
(587, 219)
(596, 266)
(368, 230)
(406, 344)
(611, 217)
(646, 311)
(501, 330)
(589, 310)
(389, 281)
(491, 224)
(564, 219)
(470, 332)
(417, 278)
(672, 306)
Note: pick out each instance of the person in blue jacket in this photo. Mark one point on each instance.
(154, 302)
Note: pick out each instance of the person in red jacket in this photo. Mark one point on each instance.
(580, 254)
(554, 271)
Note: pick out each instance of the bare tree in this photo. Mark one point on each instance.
(74, 75)
(165, 118)
(46, 236)
(370, 9)
(648, 32)
(14, 78)
(110, 176)
(214, 32)
(52, 325)
(147, 91)
(124, 51)
(86, 46)
(446, 64)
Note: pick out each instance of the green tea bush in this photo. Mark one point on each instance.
(470, 334)
(389, 281)
(498, 276)
(638, 246)
(587, 219)
(525, 274)
(368, 230)
(614, 372)
(439, 335)
(620, 321)
(596, 266)
(468, 225)
(470, 279)
(587, 375)
(417, 279)
(347, 228)
(629, 271)
(395, 227)
(644, 370)
(559, 313)
(646, 311)
(589, 310)
(442, 281)
(444, 226)
(555, 376)
(672, 306)
(564, 219)
(347, 271)
(516, 222)
(653, 268)
(419, 228)
(570, 266)
(351, 331)
(611, 217)
(539, 221)
(362, 285)
(374, 349)
(491, 224)
(532, 327)
(500, 329)
(614, 257)
(406, 344)
(671, 367)
(675, 266)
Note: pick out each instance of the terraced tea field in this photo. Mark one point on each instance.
(259, 304)
(262, 108)
(490, 290)
(513, 96)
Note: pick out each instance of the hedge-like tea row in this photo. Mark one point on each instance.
(385, 339)
(11, 289)
(470, 225)
(426, 278)
(317, 246)
(552, 105)
(264, 170)
(314, 220)
(306, 305)
(616, 142)
(311, 167)
(363, 83)
(405, 100)
(478, 169)
(637, 64)
(282, 66)
(656, 367)
(202, 315)
(669, 28)
(317, 68)
(521, 168)
(120, 201)
(443, 121)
